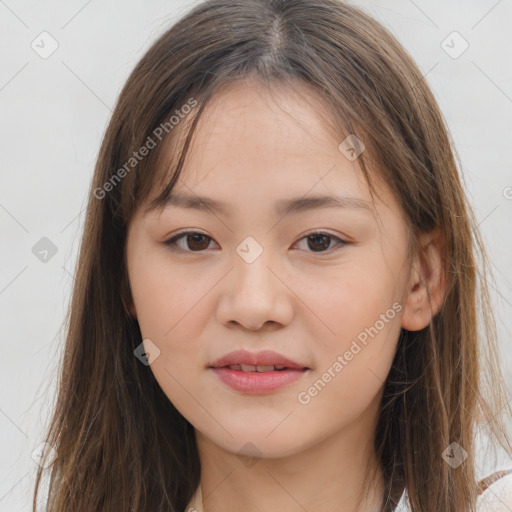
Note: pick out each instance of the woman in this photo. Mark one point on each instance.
(276, 304)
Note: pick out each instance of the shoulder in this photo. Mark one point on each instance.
(495, 496)
(497, 493)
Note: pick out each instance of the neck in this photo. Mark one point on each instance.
(339, 474)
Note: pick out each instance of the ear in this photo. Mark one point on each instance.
(427, 284)
(133, 311)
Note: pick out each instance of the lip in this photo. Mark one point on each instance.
(263, 358)
(257, 382)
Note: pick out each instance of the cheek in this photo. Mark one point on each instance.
(361, 324)
(170, 313)
(167, 302)
(346, 300)
(351, 370)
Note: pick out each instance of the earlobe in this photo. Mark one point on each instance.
(427, 284)
(133, 311)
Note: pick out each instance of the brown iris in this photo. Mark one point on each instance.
(317, 239)
(198, 241)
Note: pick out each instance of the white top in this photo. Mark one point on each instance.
(496, 498)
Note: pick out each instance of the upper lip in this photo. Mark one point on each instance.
(263, 358)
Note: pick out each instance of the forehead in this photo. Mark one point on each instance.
(281, 119)
(252, 145)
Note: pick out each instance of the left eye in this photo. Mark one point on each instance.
(318, 241)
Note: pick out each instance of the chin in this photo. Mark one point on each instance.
(249, 444)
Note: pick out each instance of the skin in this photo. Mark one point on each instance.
(250, 152)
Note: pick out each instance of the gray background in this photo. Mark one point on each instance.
(55, 110)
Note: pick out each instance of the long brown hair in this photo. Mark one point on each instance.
(120, 442)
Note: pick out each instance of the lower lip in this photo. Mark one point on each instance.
(258, 382)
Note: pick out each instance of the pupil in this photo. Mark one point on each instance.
(191, 246)
(324, 245)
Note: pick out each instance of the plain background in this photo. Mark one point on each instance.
(55, 110)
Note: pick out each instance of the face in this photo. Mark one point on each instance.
(323, 286)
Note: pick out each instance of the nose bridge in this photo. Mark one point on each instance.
(251, 263)
(253, 295)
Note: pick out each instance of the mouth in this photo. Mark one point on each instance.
(256, 381)
(263, 361)
(257, 373)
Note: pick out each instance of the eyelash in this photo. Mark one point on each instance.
(171, 242)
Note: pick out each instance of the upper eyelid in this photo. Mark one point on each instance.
(308, 233)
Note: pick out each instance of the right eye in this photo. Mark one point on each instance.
(195, 240)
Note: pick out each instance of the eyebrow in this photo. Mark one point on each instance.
(282, 207)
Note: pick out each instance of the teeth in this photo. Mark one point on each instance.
(261, 368)
(258, 368)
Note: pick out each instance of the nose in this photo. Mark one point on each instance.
(255, 295)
